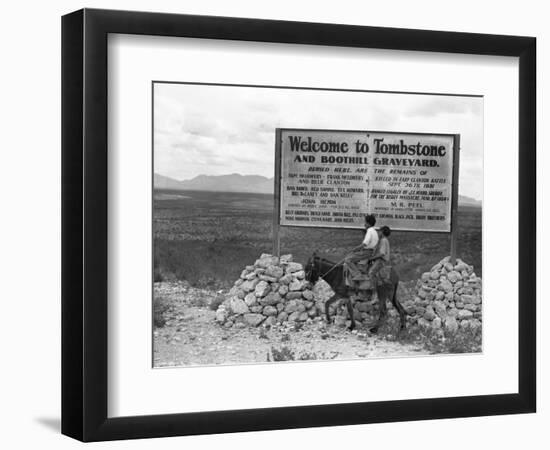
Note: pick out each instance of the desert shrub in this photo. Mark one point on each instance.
(463, 341)
(157, 275)
(434, 340)
(199, 299)
(306, 356)
(208, 282)
(216, 302)
(204, 265)
(160, 306)
(162, 274)
(215, 234)
(283, 354)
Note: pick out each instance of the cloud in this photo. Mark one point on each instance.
(215, 130)
(446, 105)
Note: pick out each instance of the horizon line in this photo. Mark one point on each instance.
(262, 176)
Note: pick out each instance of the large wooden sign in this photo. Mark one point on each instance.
(333, 178)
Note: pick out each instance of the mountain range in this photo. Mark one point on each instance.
(241, 183)
(223, 183)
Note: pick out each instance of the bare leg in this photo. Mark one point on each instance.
(374, 270)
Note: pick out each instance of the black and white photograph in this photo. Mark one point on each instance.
(301, 224)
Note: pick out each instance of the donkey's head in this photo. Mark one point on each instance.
(312, 268)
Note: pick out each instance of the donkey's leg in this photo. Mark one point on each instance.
(329, 302)
(397, 304)
(382, 296)
(350, 313)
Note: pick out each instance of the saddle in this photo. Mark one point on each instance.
(356, 275)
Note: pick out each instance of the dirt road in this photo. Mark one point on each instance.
(190, 336)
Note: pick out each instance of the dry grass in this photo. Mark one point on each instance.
(435, 341)
(209, 237)
(160, 306)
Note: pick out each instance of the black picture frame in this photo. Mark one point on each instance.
(84, 224)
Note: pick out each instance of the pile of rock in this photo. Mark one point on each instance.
(447, 297)
(272, 291)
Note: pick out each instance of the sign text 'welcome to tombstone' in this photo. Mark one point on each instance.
(332, 178)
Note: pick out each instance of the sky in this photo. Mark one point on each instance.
(218, 130)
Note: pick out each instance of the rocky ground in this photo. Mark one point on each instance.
(186, 333)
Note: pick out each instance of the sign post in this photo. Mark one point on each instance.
(454, 204)
(277, 195)
(333, 178)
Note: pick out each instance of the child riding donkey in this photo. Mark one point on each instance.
(366, 269)
(365, 262)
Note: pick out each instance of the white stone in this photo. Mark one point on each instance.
(286, 258)
(269, 311)
(266, 261)
(451, 324)
(296, 285)
(295, 295)
(445, 286)
(267, 278)
(465, 314)
(270, 299)
(294, 267)
(262, 288)
(221, 315)
(285, 279)
(253, 319)
(300, 274)
(250, 299)
(270, 321)
(453, 276)
(274, 271)
(429, 314)
(249, 285)
(238, 306)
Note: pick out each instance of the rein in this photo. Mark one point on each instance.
(333, 267)
(337, 264)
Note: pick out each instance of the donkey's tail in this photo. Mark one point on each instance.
(394, 296)
(402, 311)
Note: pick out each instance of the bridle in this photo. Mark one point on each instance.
(321, 275)
(335, 265)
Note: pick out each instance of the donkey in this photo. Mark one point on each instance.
(333, 274)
